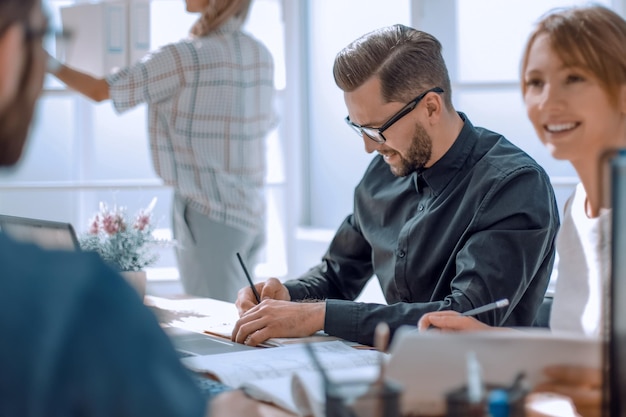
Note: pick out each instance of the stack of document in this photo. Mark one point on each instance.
(287, 376)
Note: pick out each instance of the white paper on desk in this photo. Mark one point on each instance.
(284, 341)
(195, 314)
(269, 372)
(430, 364)
(235, 368)
(302, 393)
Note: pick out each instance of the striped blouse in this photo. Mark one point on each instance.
(210, 107)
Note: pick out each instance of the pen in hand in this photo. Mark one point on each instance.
(487, 307)
(245, 270)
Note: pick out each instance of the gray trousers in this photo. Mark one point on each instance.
(206, 253)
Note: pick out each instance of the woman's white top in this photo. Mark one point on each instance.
(583, 245)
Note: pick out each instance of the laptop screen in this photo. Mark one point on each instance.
(45, 233)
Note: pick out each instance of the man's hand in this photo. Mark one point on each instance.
(583, 385)
(278, 318)
(271, 289)
(450, 321)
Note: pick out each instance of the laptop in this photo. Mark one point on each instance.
(185, 319)
(190, 343)
(45, 233)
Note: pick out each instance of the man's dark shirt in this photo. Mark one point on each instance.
(476, 227)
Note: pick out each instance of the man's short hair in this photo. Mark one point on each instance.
(407, 61)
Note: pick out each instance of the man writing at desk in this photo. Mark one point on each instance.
(448, 216)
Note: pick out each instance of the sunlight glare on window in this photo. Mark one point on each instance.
(492, 33)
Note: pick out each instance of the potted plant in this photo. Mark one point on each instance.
(126, 243)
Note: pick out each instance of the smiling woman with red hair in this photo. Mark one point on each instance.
(210, 107)
(574, 88)
(573, 83)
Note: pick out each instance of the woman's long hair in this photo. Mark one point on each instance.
(218, 12)
(12, 11)
(15, 117)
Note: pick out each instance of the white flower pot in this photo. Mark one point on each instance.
(137, 279)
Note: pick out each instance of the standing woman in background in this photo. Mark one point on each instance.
(210, 106)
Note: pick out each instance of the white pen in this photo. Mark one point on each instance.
(474, 379)
(487, 307)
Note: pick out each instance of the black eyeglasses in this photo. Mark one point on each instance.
(376, 134)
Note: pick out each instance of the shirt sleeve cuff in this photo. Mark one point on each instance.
(53, 65)
(297, 290)
(342, 319)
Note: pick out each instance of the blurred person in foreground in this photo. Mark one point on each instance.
(574, 87)
(76, 339)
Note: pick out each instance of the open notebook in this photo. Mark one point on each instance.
(45, 233)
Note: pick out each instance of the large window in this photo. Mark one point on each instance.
(489, 45)
(336, 156)
(81, 153)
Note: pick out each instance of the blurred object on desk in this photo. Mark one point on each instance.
(542, 404)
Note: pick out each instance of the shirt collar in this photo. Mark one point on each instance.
(232, 25)
(442, 171)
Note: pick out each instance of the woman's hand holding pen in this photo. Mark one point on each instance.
(271, 289)
(450, 321)
(453, 321)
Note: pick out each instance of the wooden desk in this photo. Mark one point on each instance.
(197, 313)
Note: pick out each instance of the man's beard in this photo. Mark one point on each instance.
(417, 156)
(15, 119)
